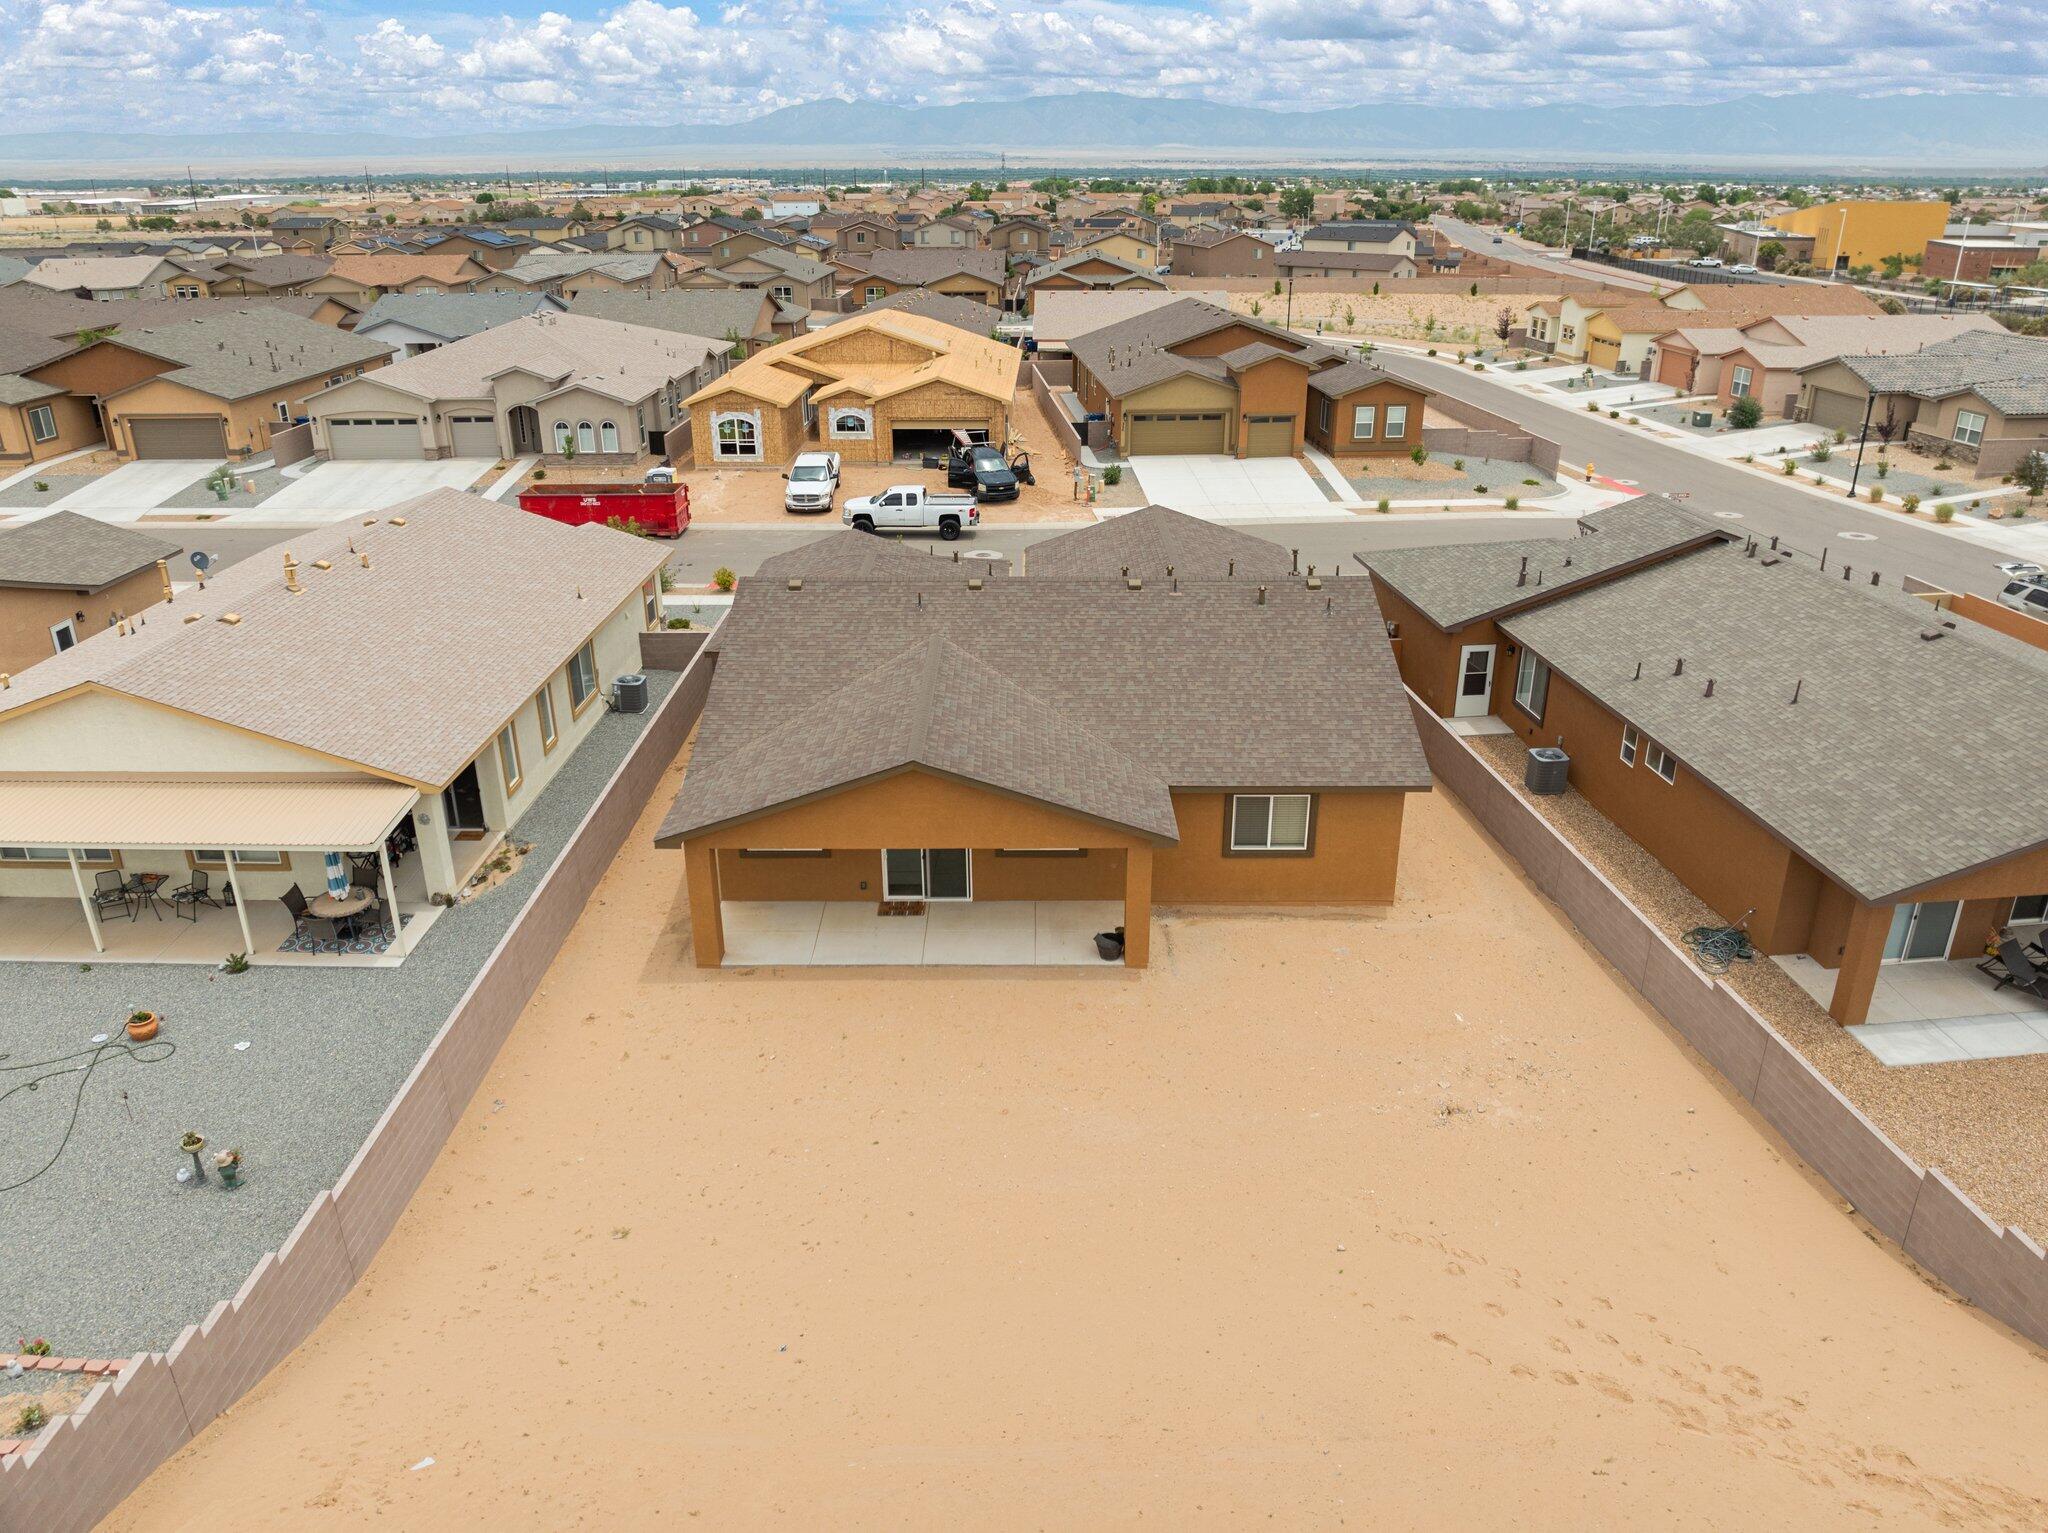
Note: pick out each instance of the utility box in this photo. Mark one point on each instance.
(1548, 770)
(629, 693)
(1703, 419)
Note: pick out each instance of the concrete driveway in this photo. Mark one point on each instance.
(1764, 441)
(334, 490)
(134, 488)
(1222, 489)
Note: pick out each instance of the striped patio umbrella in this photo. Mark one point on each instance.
(337, 875)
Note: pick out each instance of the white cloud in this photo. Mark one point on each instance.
(75, 63)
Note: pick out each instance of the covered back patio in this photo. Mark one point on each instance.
(188, 870)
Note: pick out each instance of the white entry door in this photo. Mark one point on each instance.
(1475, 682)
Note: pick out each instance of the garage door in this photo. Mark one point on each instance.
(1837, 411)
(1146, 434)
(1268, 436)
(473, 436)
(164, 437)
(375, 436)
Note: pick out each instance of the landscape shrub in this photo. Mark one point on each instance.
(1877, 494)
(1513, 502)
(1384, 506)
(724, 578)
(1113, 474)
(1944, 513)
(1821, 453)
(1910, 504)
(1745, 413)
(1419, 454)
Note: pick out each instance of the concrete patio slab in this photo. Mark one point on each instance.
(853, 934)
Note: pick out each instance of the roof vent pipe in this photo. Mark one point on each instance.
(1679, 669)
(1262, 596)
(1710, 688)
(1795, 689)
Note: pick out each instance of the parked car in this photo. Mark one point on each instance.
(2028, 596)
(983, 470)
(657, 508)
(911, 507)
(1743, 268)
(1705, 261)
(813, 482)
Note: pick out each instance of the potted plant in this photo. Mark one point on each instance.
(142, 1025)
(40, 1347)
(229, 1164)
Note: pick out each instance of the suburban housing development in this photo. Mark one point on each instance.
(883, 826)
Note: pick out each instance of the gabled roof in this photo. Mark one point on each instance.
(946, 308)
(66, 551)
(1348, 377)
(622, 362)
(925, 264)
(556, 263)
(1137, 353)
(1454, 584)
(719, 312)
(936, 706)
(1378, 230)
(390, 269)
(1345, 260)
(2008, 372)
(962, 358)
(1057, 317)
(64, 274)
(1082, 692)
(1892, 769)
(451, 316)
(1148, 541)
(864, 556)
(1121, 271)
(241, 352)
(436, 668)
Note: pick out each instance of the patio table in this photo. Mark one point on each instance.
(340, 907)
(144, 887)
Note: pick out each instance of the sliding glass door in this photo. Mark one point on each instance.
(932, 873)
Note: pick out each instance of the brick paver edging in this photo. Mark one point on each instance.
(81, 1466)
(2001, 1270)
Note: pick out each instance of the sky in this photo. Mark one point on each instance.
(213, 65)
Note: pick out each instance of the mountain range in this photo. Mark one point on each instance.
(1937, 132)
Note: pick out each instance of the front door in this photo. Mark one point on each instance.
(462, 801)
(934, 873)
(1475, 682)
(1921, 932)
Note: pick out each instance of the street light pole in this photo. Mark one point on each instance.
(1869, 403)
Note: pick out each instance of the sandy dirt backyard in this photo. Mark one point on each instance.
(1396, 1219)
(1445, 319)
(754, 495)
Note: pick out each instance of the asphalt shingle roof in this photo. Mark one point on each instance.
(76, 553)
(241, 352)
(1456, 584)
(454, 315)
(718, 312)
(1338, 381)
(2008, 372)
(1145, 542)
(1896, 764)
(1135, 353)
(1196, 683)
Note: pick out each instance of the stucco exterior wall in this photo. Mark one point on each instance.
(77, 423)
(1337, 437)
(28, 614)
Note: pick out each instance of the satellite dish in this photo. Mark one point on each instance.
(201, 562)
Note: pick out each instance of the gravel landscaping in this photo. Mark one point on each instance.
(1441, 478)
(261, 484)
(1979, 1121)
(107, 1252)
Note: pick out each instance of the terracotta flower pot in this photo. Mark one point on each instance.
(142, 1026)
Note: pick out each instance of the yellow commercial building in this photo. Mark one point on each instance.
(1849, 234)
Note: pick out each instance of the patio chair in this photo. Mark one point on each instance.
(110, 892)
(191, 896)
(2011, 967)
(294, 900)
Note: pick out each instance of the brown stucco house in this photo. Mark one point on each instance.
(65, 577)
(1827, 763)
(212, 386)
(1085, 271)
(869, 387)
(1981, 397)
(1192, 377)
(1092, 729)
(1222, 253)
(975, 274)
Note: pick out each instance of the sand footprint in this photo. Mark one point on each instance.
(1522, 1371)
(1559, 1344)
(1564, 1377)
(1494, 1309)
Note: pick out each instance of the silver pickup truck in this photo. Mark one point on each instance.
(910, 507)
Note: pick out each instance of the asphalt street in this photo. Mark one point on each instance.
(1862, 536)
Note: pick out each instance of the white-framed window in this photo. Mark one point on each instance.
(736, 436)
(1660, 761)
(1365, 421)
(1270, 822)
(586, 437)
(875, 292)
(1397, 423)
(850, 422)
(1969, 427)
(1569, 333)
(1532, 684)
(86, 854)
(608, 436)
(1631, 744)
(508, 760)
(650, 603)
(284, 411)
(564, 436)
(782, 292)
(63, 636)
(42, 424)
(2029, 908)
(1738, 382)
(582, 678)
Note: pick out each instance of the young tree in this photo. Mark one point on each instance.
(1504, 324)
(1769, 254)
(2031, 474)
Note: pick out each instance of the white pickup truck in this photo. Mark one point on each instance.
(813, 482)
(906, 507)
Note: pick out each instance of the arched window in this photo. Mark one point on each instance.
(848, 421)
(738, 436)
(562, 436)
(608, 436)
(586, 439)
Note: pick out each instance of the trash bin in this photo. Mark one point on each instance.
(1110, 945)
(629, 693)
(1547, 771)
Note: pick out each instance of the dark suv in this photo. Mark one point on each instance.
(982, 469)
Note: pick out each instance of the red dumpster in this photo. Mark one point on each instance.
(661, 509)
